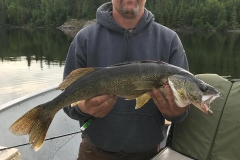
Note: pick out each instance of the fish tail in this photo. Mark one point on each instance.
(35, 123)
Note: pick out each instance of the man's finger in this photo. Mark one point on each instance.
(158, 98)
(169, 95)
(104, 108)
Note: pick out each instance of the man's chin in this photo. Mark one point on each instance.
(130, 13)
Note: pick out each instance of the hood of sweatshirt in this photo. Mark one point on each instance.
(104, 17)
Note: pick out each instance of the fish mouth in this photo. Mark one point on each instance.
(204, 106)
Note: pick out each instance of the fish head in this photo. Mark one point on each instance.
(191, 90)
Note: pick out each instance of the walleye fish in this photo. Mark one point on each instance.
(131, 80)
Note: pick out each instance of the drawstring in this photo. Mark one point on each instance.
(126, 36)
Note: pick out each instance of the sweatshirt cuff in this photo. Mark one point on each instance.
(76, 113)
(177, 119)
(81, 114)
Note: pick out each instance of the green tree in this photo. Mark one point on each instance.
(89, 9)
(3, 12)
(12, 12)
(169, 13)
(233, 21)
(175, 17)
(181, 16)
(197, 23)
(200, 14)
(59, 12)
(208, 27)
(222, 19)
(54, 12)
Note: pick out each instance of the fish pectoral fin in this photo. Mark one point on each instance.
(75, 103)
(143, 99)
(145, 85)
(73, 76)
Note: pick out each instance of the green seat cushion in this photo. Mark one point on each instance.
(227, 142)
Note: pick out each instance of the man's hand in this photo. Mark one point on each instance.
(167, 107)
(98, 106)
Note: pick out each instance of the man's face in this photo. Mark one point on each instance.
(128, 8)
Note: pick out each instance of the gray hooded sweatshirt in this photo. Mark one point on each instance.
(105, 43)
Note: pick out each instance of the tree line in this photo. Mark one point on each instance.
(177, 14)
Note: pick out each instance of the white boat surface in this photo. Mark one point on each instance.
(57, 149)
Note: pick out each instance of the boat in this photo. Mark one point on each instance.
(64, 148)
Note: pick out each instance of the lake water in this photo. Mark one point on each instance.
(32, 60)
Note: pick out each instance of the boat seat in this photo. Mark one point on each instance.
(208, 137)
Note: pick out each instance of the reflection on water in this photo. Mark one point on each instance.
(20, 79)
(37, 45)
(31, 60)
(213, 53)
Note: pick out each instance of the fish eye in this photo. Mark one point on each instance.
(203, 88)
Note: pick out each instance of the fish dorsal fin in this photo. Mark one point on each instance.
(132, 62)
(140, 101)
(121, 64)
(73, 76)
(145, 85)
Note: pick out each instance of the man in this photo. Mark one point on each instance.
(124, 31)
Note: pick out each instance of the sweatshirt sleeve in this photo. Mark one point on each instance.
(177, 119)
(177, 54)
(75, 59)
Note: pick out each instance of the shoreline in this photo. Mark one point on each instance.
(74, 25)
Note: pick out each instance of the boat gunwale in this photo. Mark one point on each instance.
(26, 97)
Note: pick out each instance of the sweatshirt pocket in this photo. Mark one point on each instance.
(126, 132)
